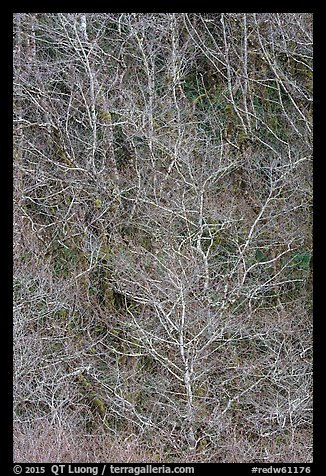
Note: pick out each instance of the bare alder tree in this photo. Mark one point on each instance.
(163, 236)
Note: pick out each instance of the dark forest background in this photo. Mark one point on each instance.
(163, 237)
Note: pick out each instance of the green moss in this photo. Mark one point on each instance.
(62, 314)
(104, 252)
(65, 258)
(62, 156)
(100, 329)
(201, 390)
(96, 402)
(105, 116)
(98, 203)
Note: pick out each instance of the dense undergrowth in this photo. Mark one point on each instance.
(162, 237)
